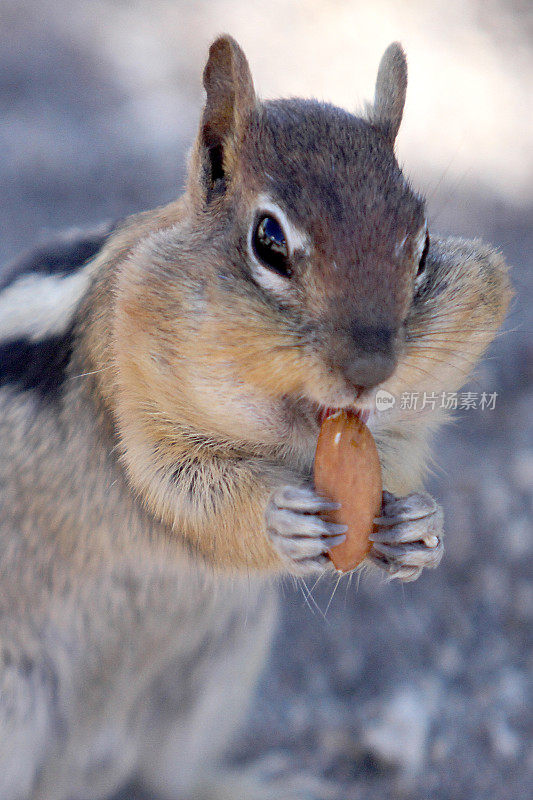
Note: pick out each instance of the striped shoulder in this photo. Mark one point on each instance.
(39, 294)
(60, 256)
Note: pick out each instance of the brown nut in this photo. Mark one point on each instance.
(347, 470)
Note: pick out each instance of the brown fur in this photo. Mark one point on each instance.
(200, 369)
(133, 510)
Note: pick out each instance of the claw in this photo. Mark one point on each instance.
(407, 536)
(333, 541)
(404, 509)
(410, 555)
(294, 498)
(414, 531)
(405, 574)
(292, 524)
(298, 532)
(335, 530)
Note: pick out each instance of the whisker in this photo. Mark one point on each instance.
(308, 604)
(435, 188)
(333, 594)
(448, 357)
(466, 372)
(85, 374)
(315, 584)
(420, 369)
(310, 596)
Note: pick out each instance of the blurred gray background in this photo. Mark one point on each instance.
(420, 691)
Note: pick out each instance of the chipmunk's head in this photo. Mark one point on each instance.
(295, 274)
(316, 237)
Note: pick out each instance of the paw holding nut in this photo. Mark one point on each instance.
(400, 535)
(296, 521)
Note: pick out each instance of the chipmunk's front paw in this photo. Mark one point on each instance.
(298, 533)
(408, 536)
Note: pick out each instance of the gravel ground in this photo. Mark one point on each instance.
(422, 690)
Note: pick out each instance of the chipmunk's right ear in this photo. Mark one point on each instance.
(230, 99)
(389, 96)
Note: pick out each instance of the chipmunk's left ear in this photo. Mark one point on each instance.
(389, 96)
(230, 99)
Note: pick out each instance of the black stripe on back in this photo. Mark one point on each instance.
(60, 256)
(38, 366)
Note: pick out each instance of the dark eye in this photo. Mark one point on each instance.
(423, 257)
(270, 246)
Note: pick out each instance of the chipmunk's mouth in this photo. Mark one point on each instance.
(361, 406)
(327, 411)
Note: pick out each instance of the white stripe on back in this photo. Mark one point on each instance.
(39, 306)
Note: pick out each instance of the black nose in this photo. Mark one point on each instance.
(372, 357)
(368, 371)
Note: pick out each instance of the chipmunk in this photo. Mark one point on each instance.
(162, 383)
